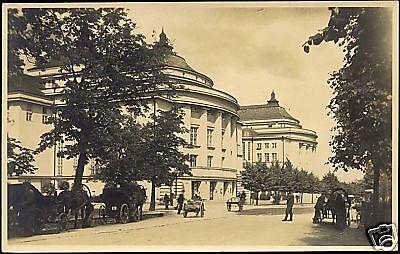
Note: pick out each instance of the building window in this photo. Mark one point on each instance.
(44, 116)
(193, 159)
(266, 157)
(259, 146)
(266, 145)
(193, 135)
(59, 158)
(274, 158)
(273, 145)
(222, 138)
(259, 156)
(75, 163)
(243, 150)
(248, 151)
(209, 137)
(94, 168)
(29, 113)
(209, 161)
(222, 162)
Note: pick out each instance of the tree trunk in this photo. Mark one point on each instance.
(375, 197)
(312, 198)
(301, 198)
(153, 196)
(82, 160)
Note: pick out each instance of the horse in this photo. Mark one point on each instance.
(138, 193)
(75, 201)
(30, 208)
(331, 207)
(337, 206)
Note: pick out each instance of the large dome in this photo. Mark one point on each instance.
(173, 60)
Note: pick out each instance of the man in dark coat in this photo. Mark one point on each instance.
(166, 200)
(289, 207)
(180, 201)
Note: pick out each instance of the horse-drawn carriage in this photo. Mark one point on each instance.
(193, 205)
(28, 209)
(337, 208)
(123, 203)
(235, 201)
(31, 211)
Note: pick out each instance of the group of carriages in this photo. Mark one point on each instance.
(30, 211)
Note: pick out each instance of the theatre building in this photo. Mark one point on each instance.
(210, 115)
(271, 134)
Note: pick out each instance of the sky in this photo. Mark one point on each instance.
(248, 52)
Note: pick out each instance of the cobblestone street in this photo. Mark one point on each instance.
(256, 228)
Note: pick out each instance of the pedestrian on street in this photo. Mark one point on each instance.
(166, 201)
(180, 201)
(289, 207)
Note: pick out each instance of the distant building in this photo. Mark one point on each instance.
(210, 116)
(271, 134)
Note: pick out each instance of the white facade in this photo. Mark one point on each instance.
(271, 134)
(210, 113)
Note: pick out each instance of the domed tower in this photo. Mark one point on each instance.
(214, 135)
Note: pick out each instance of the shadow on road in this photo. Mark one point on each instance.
(326, 234)
(275, 211)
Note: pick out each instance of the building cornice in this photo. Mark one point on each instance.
(17, 96)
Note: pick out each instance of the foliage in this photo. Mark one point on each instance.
(104, 65)
(163, 159)
(260, 177)
(330, 182)
(144, 152)
(19, 158)
(254, 177)
(362, 103)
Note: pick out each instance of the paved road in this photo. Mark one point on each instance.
(256, 227)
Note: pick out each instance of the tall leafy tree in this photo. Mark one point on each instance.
(330, 182)
(163, 158)
(104, 64)
(362, 87)
(19, 159)
(254, 178)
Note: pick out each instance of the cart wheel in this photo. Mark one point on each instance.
(136, 216)
(124, 214)
(102, 214)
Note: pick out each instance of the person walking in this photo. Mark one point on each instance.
(166, 201)
(180, 201)
(289, 207)
(242, 200)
